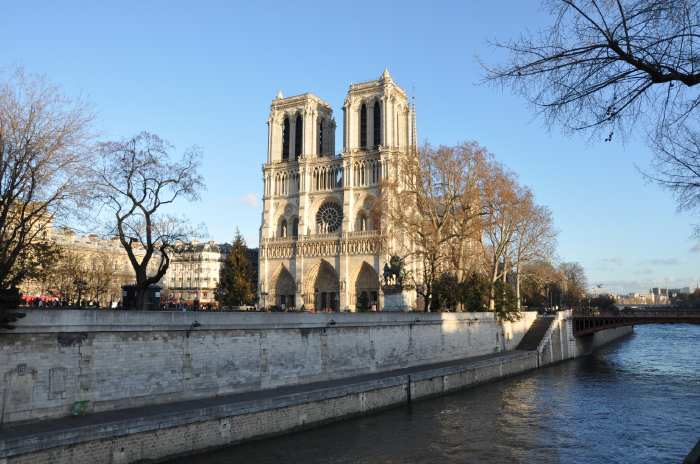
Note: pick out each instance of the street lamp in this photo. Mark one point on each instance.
(264, 298)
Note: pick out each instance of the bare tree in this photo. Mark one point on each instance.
(431, 202)
(102, 277)
(66, 275)
(677, 164)
(43, 158)
(603, 64)
(534, 239)
(502, 198)
(540, 284)
(574, 283)
(137, 181)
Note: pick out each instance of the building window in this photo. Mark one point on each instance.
(377, 124)
(363, 126)
(285, 139)
(295, 227)
(298, 137)
(328, 218)
(320, 137)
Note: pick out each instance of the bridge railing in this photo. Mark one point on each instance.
(638, 313)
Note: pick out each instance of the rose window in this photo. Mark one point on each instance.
(329, 217)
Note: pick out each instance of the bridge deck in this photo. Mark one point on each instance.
(588, 324)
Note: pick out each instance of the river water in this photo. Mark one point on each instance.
(637, 400)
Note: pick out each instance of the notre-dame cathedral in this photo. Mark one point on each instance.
(320, 243)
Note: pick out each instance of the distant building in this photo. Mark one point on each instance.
(659, 295)
(102, 263)
(194, 272)
(635, 299)
(674, 292)
(253, 257)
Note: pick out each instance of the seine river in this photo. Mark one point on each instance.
(637, 400)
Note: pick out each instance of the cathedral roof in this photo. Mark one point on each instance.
(295, 100)
(384, 78)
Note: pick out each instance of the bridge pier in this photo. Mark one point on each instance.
(567, 337)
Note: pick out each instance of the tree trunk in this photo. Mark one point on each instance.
(492, 288)
(504, 281)
(140, 298)
(517, 287)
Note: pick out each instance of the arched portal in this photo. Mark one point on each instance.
(366, 288)
(284, 289)
(322, 288)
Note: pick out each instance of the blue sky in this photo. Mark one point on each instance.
(204, 73)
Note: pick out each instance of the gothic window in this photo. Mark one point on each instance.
(363, 126)
(339, 178)
(295, 227)
(377, 124)
(285, 139)
(283, 228)
(298, 137)
(320, 138)
(362, 222)
(329, 217)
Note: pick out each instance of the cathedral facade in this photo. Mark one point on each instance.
(321, 242)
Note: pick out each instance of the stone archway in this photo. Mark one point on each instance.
(284, 289)
(322, 292)
(366, 288)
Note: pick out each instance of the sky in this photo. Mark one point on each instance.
(204, 73)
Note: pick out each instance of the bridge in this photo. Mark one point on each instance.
(588, 323)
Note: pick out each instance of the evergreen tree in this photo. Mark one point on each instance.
(474, 292)
(237, 274)
(363, 302)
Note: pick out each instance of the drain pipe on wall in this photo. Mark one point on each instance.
(408, 391)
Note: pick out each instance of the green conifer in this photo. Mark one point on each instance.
(237, 276)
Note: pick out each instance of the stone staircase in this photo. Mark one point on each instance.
(533, 337)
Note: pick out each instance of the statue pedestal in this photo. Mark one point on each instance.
(397, 299)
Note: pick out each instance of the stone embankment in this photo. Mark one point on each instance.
(153, 385)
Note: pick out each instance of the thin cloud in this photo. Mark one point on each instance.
(662, 261)
(607, 264)
(695, 248)
(250, 199)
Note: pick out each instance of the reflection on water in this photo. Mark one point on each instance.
(637, 400)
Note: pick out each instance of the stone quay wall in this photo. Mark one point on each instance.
(559, 343)
(60, 361)
(178, 432)
(157, 432)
